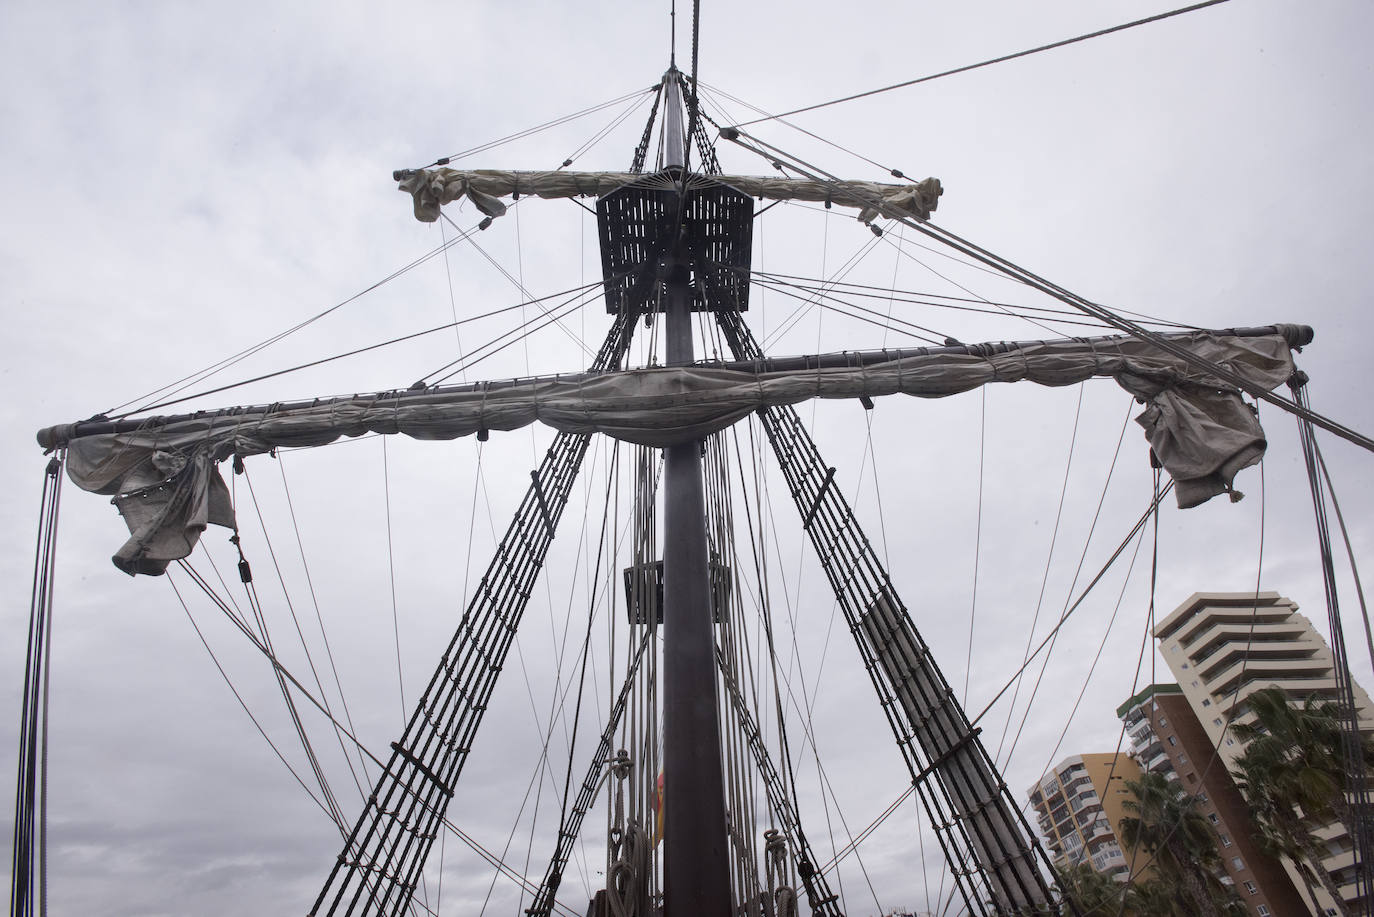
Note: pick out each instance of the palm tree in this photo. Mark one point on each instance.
(1311, 742)
(1293, 774)
(1168, 825)
(1280, 830)
(1155, 898)
(1095, 893)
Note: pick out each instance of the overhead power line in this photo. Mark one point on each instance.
(987, 63)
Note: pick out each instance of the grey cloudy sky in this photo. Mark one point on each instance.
(180, 182)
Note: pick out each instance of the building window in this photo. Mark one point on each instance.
(1225, 840)
(1185, 665)
(1262, 910)
(1163, 721)
(1216, 721)
(1192, 778)
(1212, 817)
(1238, 863)
(1250, 888)
(1206, 702)
(1172, 741)
(1230, 741)
(1182, 759)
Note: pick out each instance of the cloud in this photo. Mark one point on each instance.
(180, 185)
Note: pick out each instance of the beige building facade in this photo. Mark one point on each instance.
(1223, 647)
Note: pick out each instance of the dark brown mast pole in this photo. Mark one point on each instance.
(696, 877)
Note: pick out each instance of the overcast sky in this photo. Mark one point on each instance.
(182, 183)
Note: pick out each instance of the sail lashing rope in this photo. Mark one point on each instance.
(29, 863)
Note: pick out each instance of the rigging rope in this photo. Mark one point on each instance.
(225, 607)
(1160, 494)
(214, 368)
(1044, 581)
(397, 340)
(987, 63)
(1082, 558)
(1349, 550)
(1356, 787)
(324, 637)
(29, 863)
(520, 135)
(1135, 329)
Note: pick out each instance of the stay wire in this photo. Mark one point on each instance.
(319, 620)
(977, 538)
(397, 340)
(891, 170)
(1245, 661)
(1101, 646)
(1220, 372)
(1049, 560)
(1140, 523)
(1352, 742)
(520, 135)
(391, 578)
(250, 590)
(923, 298)
(800, 312)
(277, 665)
(518, 283)
(521, 333)
(987, 63)
(604, 132)
(214, 368)
(1082, 558)
(595, 580)
(1349, 550)
(242, 703)
(819, 297)
(29, 873)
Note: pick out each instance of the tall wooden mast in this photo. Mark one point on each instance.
(696, 871)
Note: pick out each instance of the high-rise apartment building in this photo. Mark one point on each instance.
(1222, 648)
(1166, 738)
(1078, 808)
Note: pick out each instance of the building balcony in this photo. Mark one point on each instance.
(1228, 634)
(1231, 653)
(1267, 669)
(1338, 861)
(1099, 831)
(1200, 630)
(1296, 687)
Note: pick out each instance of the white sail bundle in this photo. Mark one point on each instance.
(162, 471)
(432, 188)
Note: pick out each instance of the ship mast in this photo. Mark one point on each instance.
(696, 871)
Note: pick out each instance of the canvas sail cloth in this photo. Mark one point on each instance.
(432, 188)
(162, 471)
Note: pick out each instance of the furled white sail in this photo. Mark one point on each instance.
(162, 470)
(432, 188)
